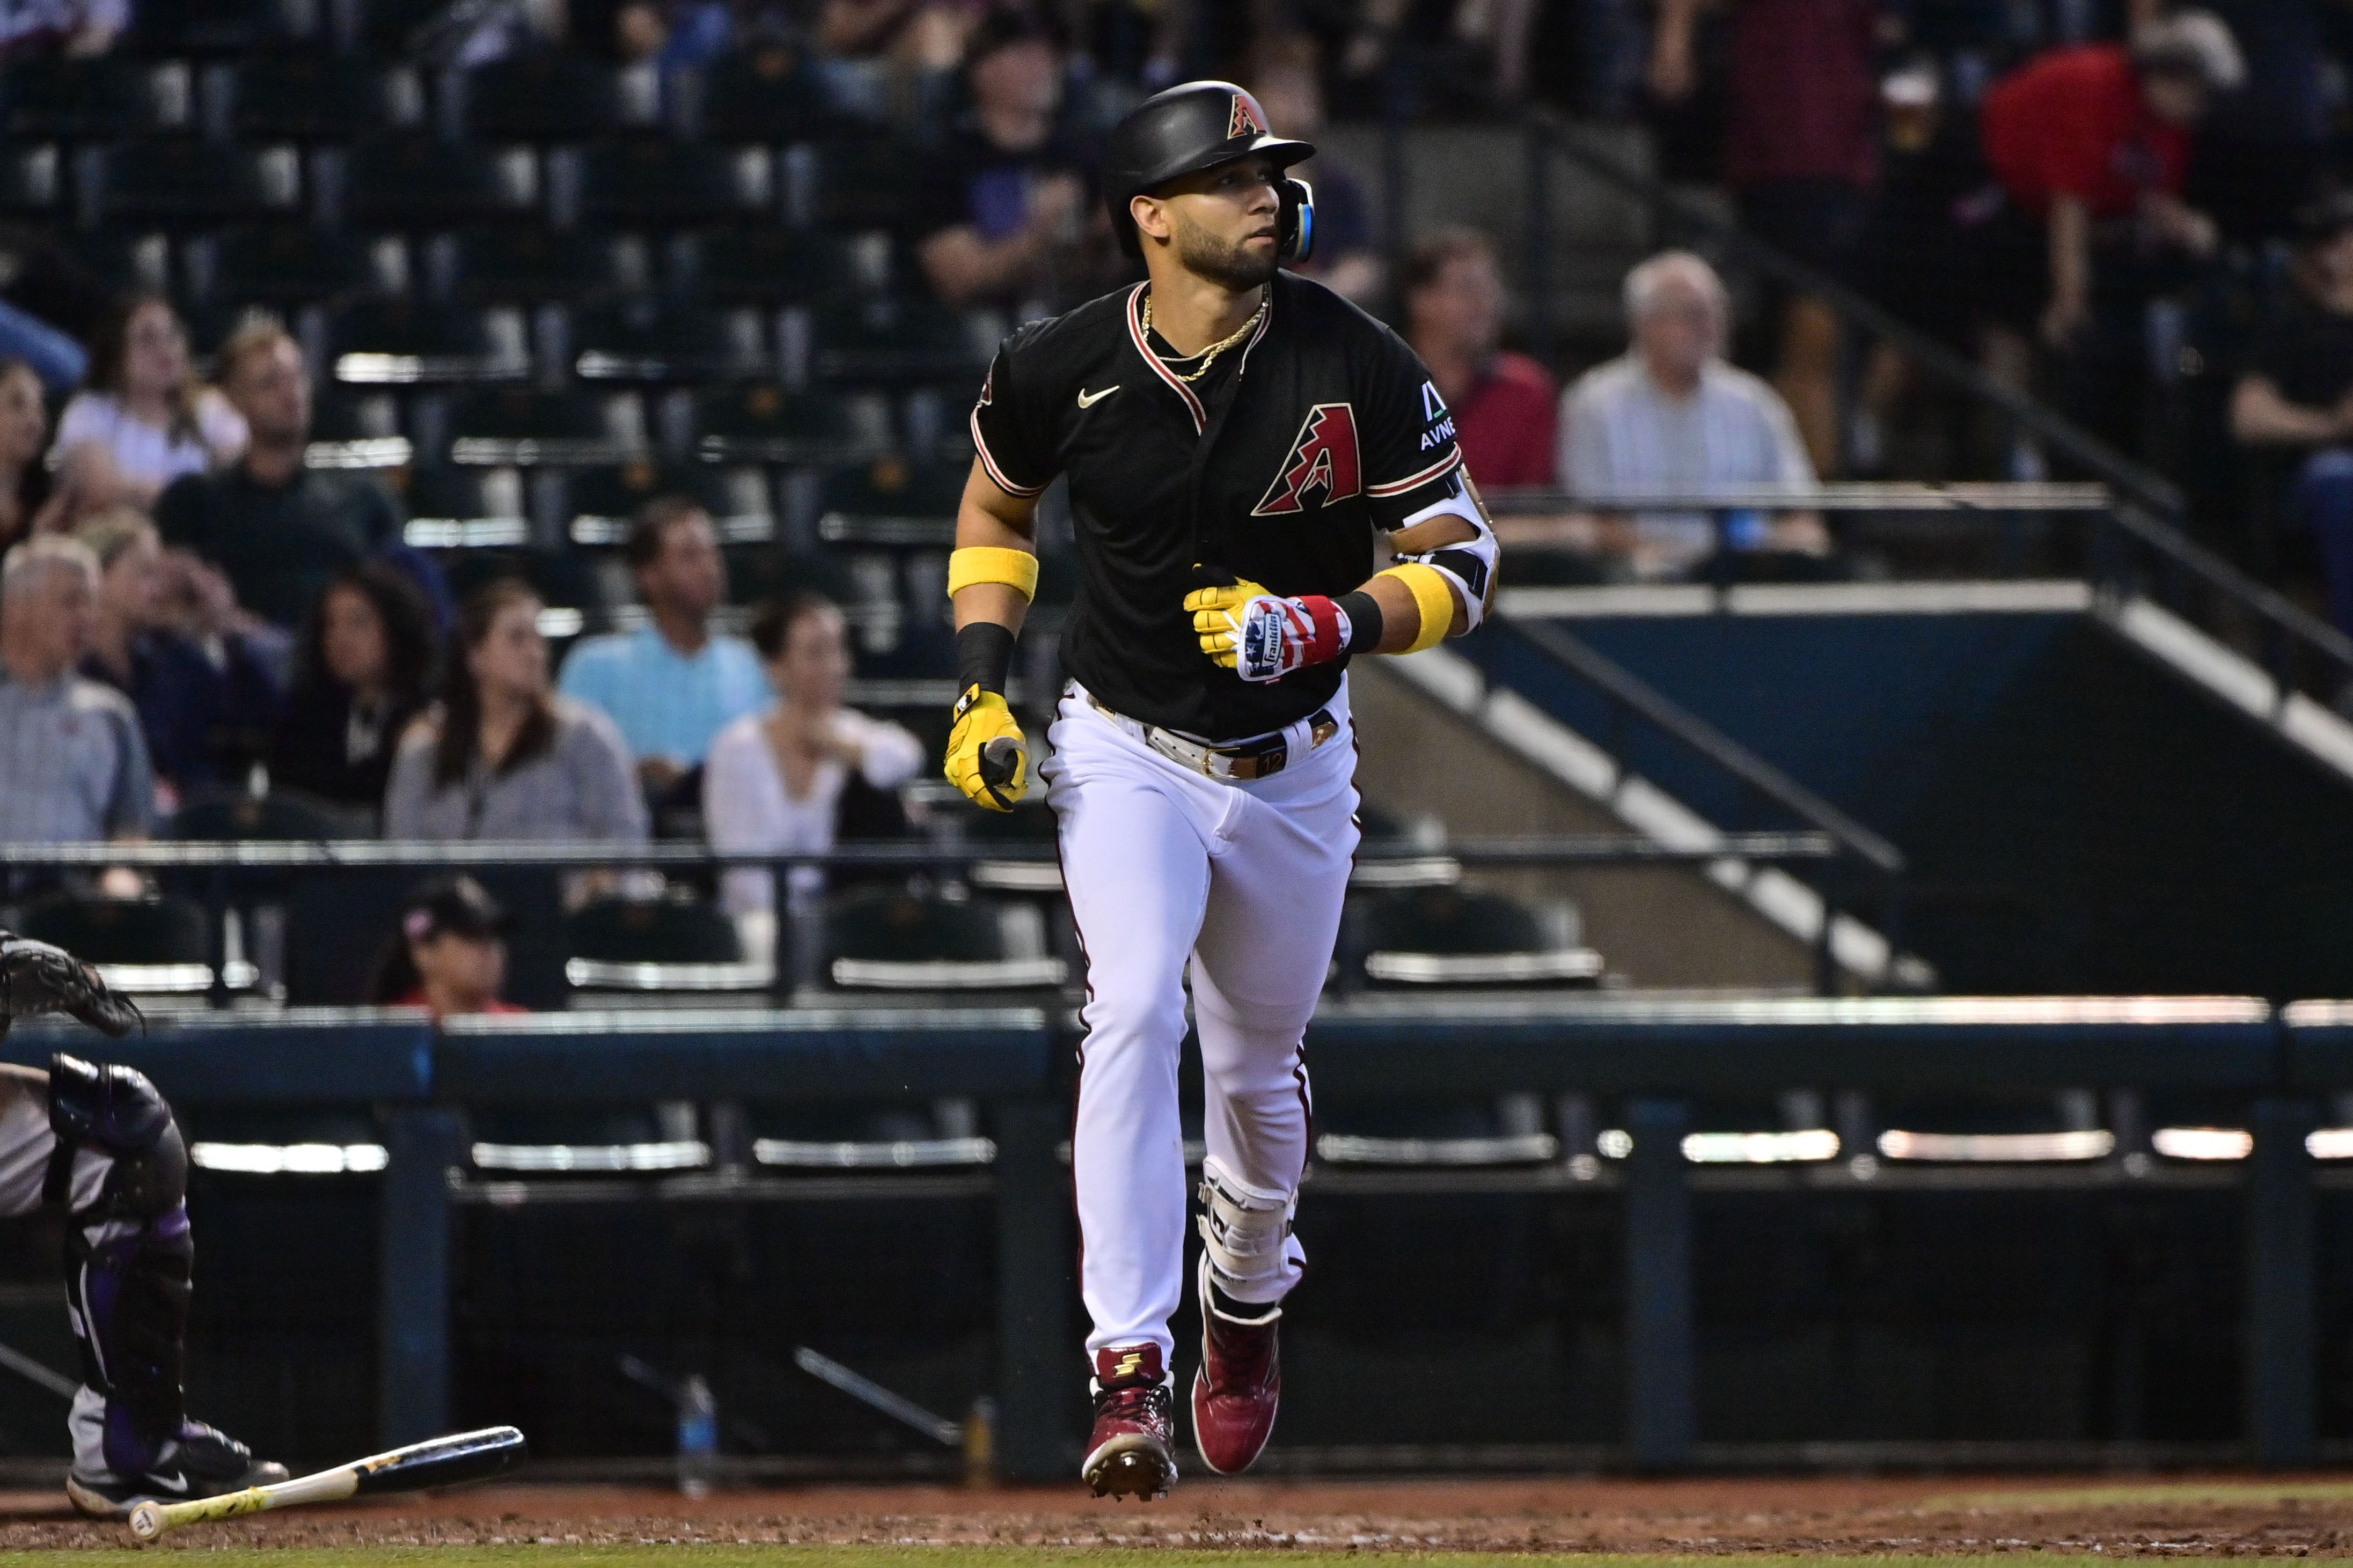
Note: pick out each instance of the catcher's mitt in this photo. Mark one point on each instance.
(36, 978)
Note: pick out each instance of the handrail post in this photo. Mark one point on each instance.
(1660, 1377)
(1034, 1380)
(413, 1280)
(2282, 1347)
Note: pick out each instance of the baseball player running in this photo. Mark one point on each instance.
(101, 1141)
(1243, 448)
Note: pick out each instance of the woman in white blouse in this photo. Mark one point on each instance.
(143, 419)
(773, 780)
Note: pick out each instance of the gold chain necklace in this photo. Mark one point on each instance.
(1209, 355)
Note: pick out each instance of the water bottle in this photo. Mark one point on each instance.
(698, 1438)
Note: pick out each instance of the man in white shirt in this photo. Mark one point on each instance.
(1670, 414)
(674, 683)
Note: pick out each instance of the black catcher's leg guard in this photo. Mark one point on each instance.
(128, 1253)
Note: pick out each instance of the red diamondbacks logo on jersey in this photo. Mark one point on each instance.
(1324, 457)
(1245, 121)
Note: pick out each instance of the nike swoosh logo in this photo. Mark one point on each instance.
(178, 1483)
(1089, 399)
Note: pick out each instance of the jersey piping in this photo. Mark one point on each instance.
(1160, 366)
(1439, 470)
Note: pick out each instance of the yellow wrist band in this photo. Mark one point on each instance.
(1017, 569)
(1432, 595)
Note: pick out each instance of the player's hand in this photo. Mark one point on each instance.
(988, 757)
(1258, 636)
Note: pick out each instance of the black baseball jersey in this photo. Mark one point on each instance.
(1277, 466)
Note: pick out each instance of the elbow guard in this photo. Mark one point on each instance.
(1467, 565)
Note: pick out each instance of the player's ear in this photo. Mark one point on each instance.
(1151, 216)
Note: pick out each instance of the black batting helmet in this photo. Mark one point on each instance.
(1198, 125)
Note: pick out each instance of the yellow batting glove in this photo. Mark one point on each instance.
(1217, 620)
(988, 758)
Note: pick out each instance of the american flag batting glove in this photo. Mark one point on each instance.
(1279, 636)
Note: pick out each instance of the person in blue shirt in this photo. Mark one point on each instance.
(674, 683)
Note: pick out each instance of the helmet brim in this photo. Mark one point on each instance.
(1282, 150)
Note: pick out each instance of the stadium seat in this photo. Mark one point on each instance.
(894, 341)
(762, 423)
(549, 96)
(279, 817)
(149, 947)
(405, 342)
(641, 340)
(521, 426)
(527, 263)
(604, 502)
(222, 26)
(291, 264)
(184, 183)
(761, 266)
(584, 1140)
(317, 96)
(414, 180)
(846, 184)
(891, 940)
(764, 94)
(1444, 936)
(891, 502)
(31, 182)
(666, 185)
(97, 98)
(466, 509)
(119, 260)
(659, 945)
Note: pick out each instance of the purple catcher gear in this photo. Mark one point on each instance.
(38, 978)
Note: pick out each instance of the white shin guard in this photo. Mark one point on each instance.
(1243, 1231)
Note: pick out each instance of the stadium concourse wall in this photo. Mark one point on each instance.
(2091, 795)
(1654, 1363)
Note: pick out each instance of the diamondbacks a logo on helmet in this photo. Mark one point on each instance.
(1322, 458)
(1245, 121)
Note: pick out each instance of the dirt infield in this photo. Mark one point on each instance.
(1906, 1517)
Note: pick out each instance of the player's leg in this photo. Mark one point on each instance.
(102, 1140)
(1135, 864)
(1277, 885)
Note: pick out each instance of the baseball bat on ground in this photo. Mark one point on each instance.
(436, 1462)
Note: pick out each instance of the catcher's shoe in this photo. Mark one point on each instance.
(1238, 1385)
(1133, 1450)
(198, 1463)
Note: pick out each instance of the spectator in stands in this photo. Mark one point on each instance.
(24, 433)
(502, 756)
(1672, 414)
(1503, 403)
(2296, 393)
(925, 35)
(205, 712)
(451, 954)
(79, 30)
(143, 418)
(1003, 217)
(361, 674)
(1801, 153)
(280, 529)
(1348, 258)
(802, 773)
(2090, 145)
(674, 683)
(73, 766)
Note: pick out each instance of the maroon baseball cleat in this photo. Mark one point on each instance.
(1238, 1385)
(1132, 1452)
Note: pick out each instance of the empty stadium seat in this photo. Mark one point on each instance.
(894, 340)
(532, 262)
(466, 509)
(402, 343)
(642, 341)
(186, 182)
(891, 502)
(846, 184)
(414, 180)
(550, 96)
(222, 26)
(891, 940)
(149, 947)
(765, 266)
(32, 181)
(660, 945)
(103, 98)
(1442, 936)
(317, 96)
(291, 263)
(120, 261)
(762, 423)
(523, 426)
(662, 184)
(604, 502)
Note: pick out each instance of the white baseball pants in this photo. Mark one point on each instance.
(1167, 869)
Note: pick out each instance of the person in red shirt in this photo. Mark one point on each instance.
(451, 955)
(2089, 144)
(1503, 403)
